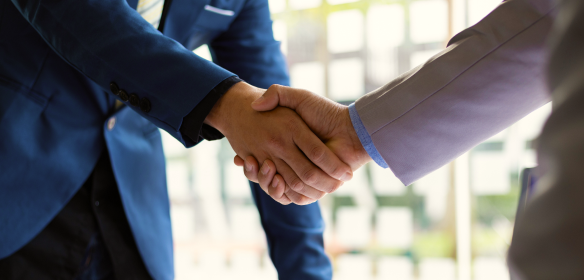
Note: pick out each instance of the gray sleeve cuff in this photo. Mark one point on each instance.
(365, 138)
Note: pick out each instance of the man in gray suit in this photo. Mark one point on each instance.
(489, 76)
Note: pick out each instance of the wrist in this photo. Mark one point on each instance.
(232, 105)
(350, 130)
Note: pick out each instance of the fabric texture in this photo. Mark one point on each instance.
(194, 126)
(364, 137)
(89, 239)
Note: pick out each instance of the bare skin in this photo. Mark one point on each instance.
(329, 120)
(303, 162)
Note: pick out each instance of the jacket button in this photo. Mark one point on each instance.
(123, 95)
(134, 99)
(114, 88)
(145, 105)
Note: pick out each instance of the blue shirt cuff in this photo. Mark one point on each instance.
(365, 138)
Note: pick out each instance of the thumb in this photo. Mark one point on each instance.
(280, 95)
(268, 101)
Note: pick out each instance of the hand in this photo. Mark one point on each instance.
(303, 161)
(329, 120)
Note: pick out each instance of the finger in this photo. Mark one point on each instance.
(266, 174)
(238, 161)
(324, 158)
(308, 173)
(268, 101)
(297, 198)
(251, 169)
(280, 95)
(277, 188)
(295, 182)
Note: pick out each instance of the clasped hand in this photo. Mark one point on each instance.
(302, 159)
(306, 168)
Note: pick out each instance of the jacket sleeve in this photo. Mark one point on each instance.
(108, 41)
(490, 76)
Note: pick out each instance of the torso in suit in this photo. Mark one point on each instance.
(58, 60)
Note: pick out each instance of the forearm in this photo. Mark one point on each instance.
(232, 106)
(490, 76)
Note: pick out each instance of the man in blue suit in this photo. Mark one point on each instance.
(84, 87)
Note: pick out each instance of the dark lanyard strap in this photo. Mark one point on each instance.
(165, 9)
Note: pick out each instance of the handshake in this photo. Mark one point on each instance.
(306, 144)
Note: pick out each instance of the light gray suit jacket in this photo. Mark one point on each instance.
(490, 76)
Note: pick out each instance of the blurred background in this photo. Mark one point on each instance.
(455, 223)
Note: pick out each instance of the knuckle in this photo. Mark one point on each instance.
(317, 154)
(339, 171)
(297, 186)
(291, 124)
(275, 87)
(310, 177)
(293, 196)
(276, 143)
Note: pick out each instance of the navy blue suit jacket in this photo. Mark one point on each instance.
(57, 60)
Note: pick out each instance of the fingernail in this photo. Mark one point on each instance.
(346, 177)
(259, 100)
(265, 168)
(275, 183)
(248, 166)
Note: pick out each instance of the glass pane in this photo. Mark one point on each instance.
(281, 34)
(309, 76)
(395, 227)
(395, 268)
(385, 31)
(428, 21)
(304, 4)
(277, 6)
(203, 51)
(353, 227)
(335, 2)
(345, 31)
(346, 79)
(385, 26)
(354, 266)
(437, 269)
(478, 9)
